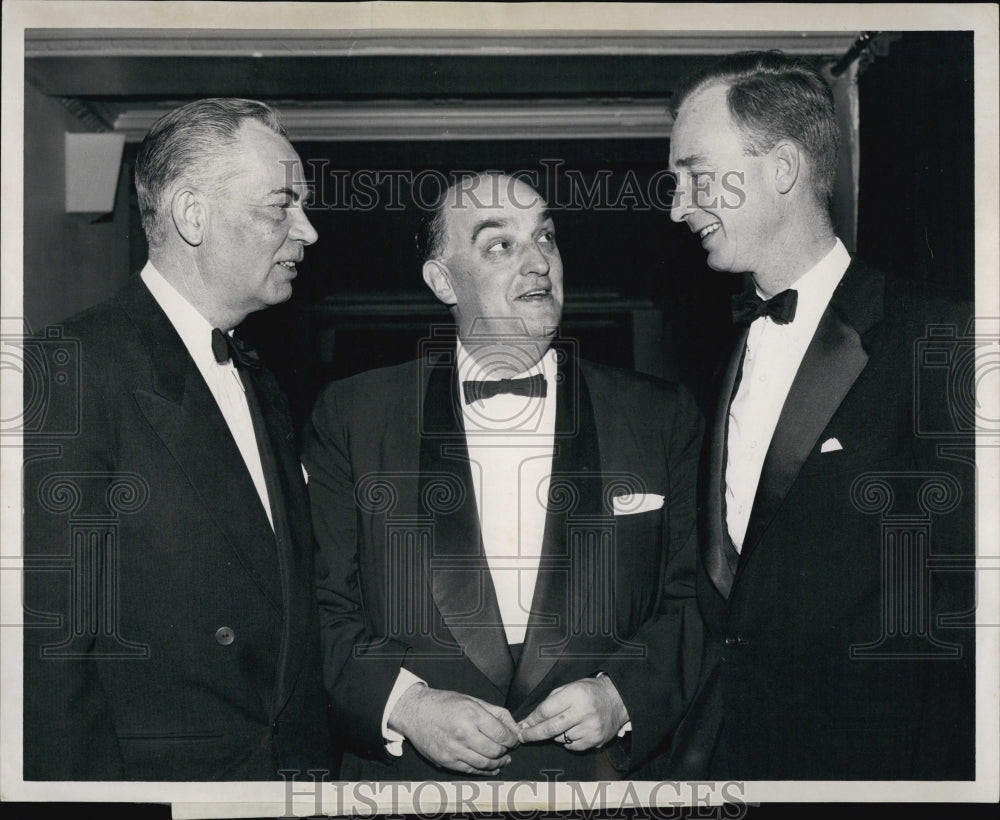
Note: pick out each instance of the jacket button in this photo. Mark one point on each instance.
(224, 635)
(735, 640)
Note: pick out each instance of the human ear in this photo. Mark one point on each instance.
(787, 164)
(188, 214)
(437, 277)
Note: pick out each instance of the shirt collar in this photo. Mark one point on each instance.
(816, 285)
(469, 369)
(193, 328)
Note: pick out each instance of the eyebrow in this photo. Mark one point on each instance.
(305, 198)
(484, 224)
(692, 159)
(543, 217)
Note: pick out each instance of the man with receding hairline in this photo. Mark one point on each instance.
(505, 530)
(831, 655)
(171, 624)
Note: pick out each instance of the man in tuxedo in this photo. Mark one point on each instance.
(505, 531)
(837, 544)
(171, 630)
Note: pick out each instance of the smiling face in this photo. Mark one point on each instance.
(256, 229)
(723, 194)
(500, 267)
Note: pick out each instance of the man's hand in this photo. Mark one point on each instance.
(580, 715)
(456, 731)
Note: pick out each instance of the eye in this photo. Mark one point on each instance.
(547, 237)
(498, 246)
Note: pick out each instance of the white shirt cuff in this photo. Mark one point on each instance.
(393, 739)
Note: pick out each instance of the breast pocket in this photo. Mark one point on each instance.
(854, 456)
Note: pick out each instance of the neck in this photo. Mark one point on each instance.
(505, 358)
(793, 259)
(185, 277)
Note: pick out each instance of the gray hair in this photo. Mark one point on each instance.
(190, 143)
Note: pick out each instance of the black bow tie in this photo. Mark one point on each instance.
(531, 386)
(226, 347)
(748, 306)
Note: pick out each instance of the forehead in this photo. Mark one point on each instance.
(494, 199)
(703, 126)
(263, 156)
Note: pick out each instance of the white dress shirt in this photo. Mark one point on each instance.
(222, 379)
(772, 358)
(510, 440)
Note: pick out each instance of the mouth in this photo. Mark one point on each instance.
(708, 230)
(536, 295)
(289, 265)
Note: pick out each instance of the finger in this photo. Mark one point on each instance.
(465, 768)
(483, 763)
(547, 709)
(580, 744)
(502, 729)
(548, 728)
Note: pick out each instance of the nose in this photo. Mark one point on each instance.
(680, 202)
(302, 229)
(534, 260)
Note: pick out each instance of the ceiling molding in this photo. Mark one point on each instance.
(481, 120)
(176, 42)
(393, 85)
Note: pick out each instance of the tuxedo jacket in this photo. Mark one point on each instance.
(403, 580)
(840, 641)
(170, 633)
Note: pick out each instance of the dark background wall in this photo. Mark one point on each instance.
(916, 205)
(359, 301)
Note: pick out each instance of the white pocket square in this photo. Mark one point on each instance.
(831, 445)
(636, 503)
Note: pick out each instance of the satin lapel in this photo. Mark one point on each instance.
(565, 577)
(832, 363)
(291, 520)
(185, 416)
(716, 549)
(461, 583)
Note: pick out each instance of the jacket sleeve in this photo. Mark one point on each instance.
(69, 730)
(657, 687)
(360, 665)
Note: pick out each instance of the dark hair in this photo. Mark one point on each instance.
(432, 227)
(431, 235)
(772, 96)
(190, 141)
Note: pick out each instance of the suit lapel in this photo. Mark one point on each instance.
(564, 580)
(290, 512)
(832, 363)
(185, 416)
(461, 583)
(718, 553)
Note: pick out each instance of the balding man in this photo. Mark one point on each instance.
(505, 531)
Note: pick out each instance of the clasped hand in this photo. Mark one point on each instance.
(580, 715)
(455, 731)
